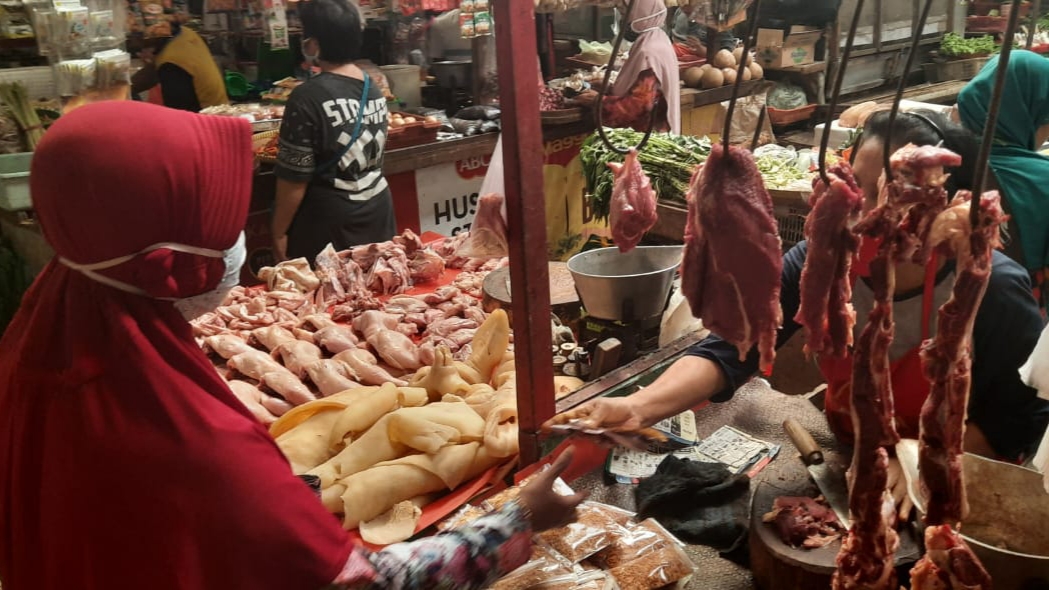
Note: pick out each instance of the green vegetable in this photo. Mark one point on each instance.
(954, 45)
(779, 173)
(668, 161)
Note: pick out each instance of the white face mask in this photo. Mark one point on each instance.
(310, 59)
(198, 305)
(191, 307)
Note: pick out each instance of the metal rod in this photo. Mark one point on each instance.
(757, 130)
(1032, 28)
(748, 43)
(606, 88)
(526, 215)
(839, 75)
(908, 64)
(989, 127)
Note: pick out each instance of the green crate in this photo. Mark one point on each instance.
(14, 181)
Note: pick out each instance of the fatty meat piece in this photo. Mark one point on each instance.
(826, 310)
(488, 230)
(733, 261)
(804, 522)
(633, 207)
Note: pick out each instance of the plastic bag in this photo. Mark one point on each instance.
(544, 566)
(466, 127)
(592, 532)
(493, 179)
(488, 232)
(648, 557)
(479, 112)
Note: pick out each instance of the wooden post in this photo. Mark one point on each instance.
(517, 57)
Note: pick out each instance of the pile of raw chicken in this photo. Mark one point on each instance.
(307, 335)
(731, 279)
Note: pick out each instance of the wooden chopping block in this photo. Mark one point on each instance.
(563, 296)
(778, 566)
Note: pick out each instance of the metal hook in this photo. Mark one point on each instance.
(903, 85)
(748, 44)
(1036, 9)
(839, 79)
(992, 114)
(598, 105)
(757, 130)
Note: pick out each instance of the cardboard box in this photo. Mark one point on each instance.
(775, 50)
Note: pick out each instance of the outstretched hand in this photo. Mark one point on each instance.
(550, 509)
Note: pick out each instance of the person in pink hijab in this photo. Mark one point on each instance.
(649, 78)
(125, 460)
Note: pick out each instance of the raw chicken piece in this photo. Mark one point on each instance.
(442, 294)
(419, 319)
(275, 405)
(471, 283)
(226, 345)
(475, 314)
(948, 564)
(331, 376)
(288, 386)
(331, 336)
(272, 336)
(826, 291)
(251, 397)
(290, 275)
(254, 364)
(364, 367)
(488, 231)
(733, 259)
(208, 324)
(425, 266)
(405, 304)
(444, 328)
(390, 273)
(297, 355)
(632, 211)
(409, 241)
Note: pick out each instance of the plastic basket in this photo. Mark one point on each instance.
(788, 116)
(411, 134)
(791, 221)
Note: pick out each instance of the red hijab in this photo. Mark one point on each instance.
(125, 460)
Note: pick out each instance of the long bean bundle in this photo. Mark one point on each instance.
(15, 96)
(668, 160)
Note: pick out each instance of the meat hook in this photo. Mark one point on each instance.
(915, 43)
(980, 175)
(839, 78)
(606, 88)
(748, 44)
(757, 130)
(1036, 9)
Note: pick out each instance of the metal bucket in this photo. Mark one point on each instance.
(625, 287)
(1007, 522)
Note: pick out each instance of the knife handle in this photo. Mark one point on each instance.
(810, 451)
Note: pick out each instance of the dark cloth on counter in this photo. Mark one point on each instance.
(701, 503)
(347, 202)
(1007, 327)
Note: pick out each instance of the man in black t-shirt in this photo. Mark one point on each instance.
(330, 186)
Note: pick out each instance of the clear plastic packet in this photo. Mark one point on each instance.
(658, 564)
(464, 515)
(544, 565)
(592, 531)
(584, 581)
(620, 516)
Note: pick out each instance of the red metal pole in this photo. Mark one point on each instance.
(518, 67)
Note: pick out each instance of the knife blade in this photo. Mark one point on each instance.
(832, 485)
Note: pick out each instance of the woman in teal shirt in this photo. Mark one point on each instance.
(1021, 172)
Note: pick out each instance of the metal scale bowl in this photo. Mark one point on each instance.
(624, 295)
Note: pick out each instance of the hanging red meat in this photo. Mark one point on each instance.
(947, 359)
(866, 560)
(633, 207)
(733, 258)
(488, 231)
(826, 293)
(948, 564)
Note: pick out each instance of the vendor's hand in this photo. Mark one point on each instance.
(611, 413)
(550, 509)
(897, 487)
(280, 249)
(587, 98)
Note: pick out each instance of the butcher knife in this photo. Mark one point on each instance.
(832, 485)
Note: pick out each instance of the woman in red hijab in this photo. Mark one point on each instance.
(125, 460)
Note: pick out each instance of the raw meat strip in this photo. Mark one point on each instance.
(488, 230)
(948, 564)
(804, 522)
(920, 175)
(826, 291)
(632, 211)
(733, 259)
(947, 359)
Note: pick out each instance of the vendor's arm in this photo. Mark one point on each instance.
(300, 139)
(177, 87)
(634, 106)
(1006, 418)
(710, 370)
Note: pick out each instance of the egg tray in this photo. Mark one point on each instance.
(411, 134)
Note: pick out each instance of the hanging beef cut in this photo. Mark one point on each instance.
(948, 564)
(866, 560)
(733, 260)
(632, 211)
(488, 230)
(826, 293)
